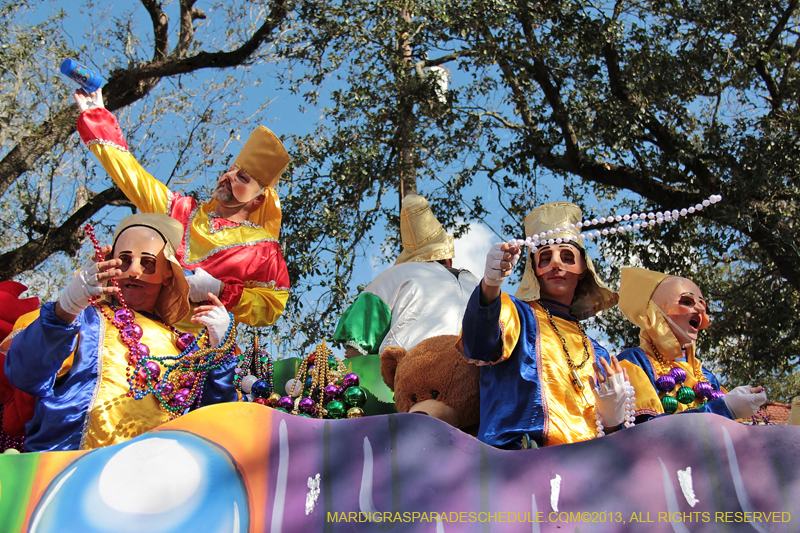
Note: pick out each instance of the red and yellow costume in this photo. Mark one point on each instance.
(246, 256)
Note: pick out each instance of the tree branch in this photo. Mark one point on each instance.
(125, 87)
(188, 16)
(67, 237)
(544, 77)
(160, 28)
(665, 139)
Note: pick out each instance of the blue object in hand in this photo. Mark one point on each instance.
(88, 79)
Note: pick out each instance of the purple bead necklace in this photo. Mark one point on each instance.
(672, 376)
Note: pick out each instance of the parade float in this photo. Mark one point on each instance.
(316, 444)
(263, 465)
(248, 467)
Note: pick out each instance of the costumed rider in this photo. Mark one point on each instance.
(536, 361)
(77, 357)
(664, 370)
(230, 241)
(419, 297)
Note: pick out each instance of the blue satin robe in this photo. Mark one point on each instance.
(510, 391)
(36, 355)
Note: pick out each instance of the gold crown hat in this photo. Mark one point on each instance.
(423, 236)
(264, 158)
(172, 304)
(591, 295)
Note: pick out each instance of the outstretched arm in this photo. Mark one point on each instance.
(100, 131)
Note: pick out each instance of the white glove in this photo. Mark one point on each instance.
(742, 403)
(217, 321)
(75, 296)
(609, 400)
(493, 274)
(201, 283)
(88, 101)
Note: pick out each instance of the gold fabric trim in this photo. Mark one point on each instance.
(356, 347)
(187, 241)
(264, 285)
(212, 215)
(170, 201)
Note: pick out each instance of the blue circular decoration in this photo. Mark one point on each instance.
(162, 482)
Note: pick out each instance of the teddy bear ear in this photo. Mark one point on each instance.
(390, 358)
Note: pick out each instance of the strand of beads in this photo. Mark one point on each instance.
(671, 376)
(630, 405)
(322, 388)
(764, 418)
(631, 222)
(630, 409)
(183, 381)
(124, 319)
(253, 374)
(7, 442)
(676, 377)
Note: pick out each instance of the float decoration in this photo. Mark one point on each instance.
(253, 374)
(322, 388)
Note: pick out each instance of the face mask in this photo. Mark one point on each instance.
(559, 257)
(243, 188)
(686, 304)
(141, 251)
(681, 334)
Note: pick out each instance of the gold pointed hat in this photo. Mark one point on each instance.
(423, 236)
(264, 158)
(591, 294)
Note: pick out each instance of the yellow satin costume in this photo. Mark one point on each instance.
(641, 363)
(246, 256)
(526, 387)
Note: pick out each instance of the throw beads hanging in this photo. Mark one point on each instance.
(183, 381)
(630, 408)
(253, 374)
(322, 388)
(630, 222)
(181, 386)
(672, 377)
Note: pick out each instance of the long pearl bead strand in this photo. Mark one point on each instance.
(632, 222)
(630, 408)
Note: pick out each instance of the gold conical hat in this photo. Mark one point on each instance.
(591, 295)
(264, 158)
(423, 236)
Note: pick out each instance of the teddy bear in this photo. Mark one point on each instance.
(434, 379)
